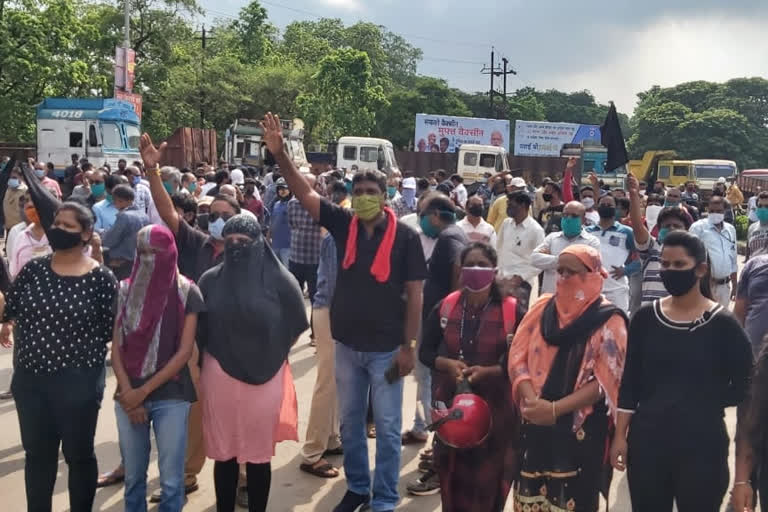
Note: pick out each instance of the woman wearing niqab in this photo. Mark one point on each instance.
(254, 314)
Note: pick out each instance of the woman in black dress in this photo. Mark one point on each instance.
(687, 359)
(61, 305)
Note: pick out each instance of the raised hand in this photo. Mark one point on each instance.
(633, 186)
(151, 155)
(273, 133)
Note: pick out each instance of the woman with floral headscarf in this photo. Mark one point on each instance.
(153, 338)
(565, 365)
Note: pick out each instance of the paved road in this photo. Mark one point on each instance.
(292, 490)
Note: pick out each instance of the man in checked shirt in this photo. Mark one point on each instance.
(305, 245)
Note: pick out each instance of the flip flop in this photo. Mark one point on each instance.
(324, 471)
(334, 453)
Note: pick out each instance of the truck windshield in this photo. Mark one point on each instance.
(715, 171)
(680, 170)
(134, 134)
(487, 160)
(369, 154)
(110, 136)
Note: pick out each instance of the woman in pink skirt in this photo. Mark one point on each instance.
(254, 314)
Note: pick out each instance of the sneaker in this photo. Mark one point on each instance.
(425, 466)
(426, 485)
(351, 502)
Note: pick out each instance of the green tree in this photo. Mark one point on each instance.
(343, 98)
(255, 34)
(428, 96)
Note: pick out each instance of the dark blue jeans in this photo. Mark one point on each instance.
(59, 409)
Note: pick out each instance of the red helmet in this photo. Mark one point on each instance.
(467, 423)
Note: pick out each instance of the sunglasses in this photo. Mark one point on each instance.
(213, 216)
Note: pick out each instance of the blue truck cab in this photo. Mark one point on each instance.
(99, 129)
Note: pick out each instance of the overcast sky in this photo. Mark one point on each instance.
(614, 48)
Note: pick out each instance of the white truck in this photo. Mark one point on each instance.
(366, 154)
(475, 160)
(244, 143)
(99, 129)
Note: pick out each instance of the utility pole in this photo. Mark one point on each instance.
(495, 71)
(127, 22)
(203, 40)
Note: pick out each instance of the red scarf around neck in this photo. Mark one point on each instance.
(380, 268)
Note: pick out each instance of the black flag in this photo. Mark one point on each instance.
(613, 140)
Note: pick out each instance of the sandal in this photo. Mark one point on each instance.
(411, 437)
(114, 477)
(334, 452)
(323, 470)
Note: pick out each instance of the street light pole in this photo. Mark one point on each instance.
(127, 21)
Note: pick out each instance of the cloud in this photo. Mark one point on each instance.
(350, 5)
(666, 52)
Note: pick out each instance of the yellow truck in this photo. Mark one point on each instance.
(664, 166)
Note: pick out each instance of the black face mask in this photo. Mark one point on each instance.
(238, 252)
(547, 197)
(679, 282)
(61, 239)
(475, 210)
(606, 212)
(202, 221)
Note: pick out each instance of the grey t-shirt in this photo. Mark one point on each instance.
(753, 286)
(757, 239)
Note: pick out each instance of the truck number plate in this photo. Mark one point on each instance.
(67, 114)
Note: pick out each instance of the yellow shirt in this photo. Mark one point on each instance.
(498, 212)
(734, 195)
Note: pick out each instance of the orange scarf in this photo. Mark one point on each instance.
(380, 268)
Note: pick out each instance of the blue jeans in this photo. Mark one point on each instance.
(169, 421)
(356, 372)
(284, 255)
(423, 416)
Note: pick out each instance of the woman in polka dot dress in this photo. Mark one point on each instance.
(62, 307)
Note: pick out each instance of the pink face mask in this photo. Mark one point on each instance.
(477, 279)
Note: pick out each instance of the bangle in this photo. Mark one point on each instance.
(554, 413)
(745, 482)
(156, 170)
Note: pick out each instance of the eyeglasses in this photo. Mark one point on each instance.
(214, 216)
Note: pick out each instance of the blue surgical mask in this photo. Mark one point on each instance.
(762, 214)
(427, 228)
(136, 180)
(391, 191)
(169, 187)
(14, 182)
(215, 228)
(39, 173)
(192, 187)
(109, 198)
(663, 232)
(571, 226)
(98, 189)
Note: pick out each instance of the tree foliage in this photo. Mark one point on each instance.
(705, 120)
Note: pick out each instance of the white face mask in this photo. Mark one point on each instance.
(216, 227)
(588, 202)
(716, 218)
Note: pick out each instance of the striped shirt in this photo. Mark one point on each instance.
(650, 255)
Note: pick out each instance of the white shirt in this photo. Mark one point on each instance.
(721, 246)
(25, 248)
(460, 195)
(13, 233)
(593, 218)
(206, 188)
(427, 244)
(483, 232)
(516, 245)
(553, 245)
(752, 208)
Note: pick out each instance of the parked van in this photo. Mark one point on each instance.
(367, 154)
(476, 159)
(99, 129)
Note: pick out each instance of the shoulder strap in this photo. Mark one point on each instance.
(449, 302)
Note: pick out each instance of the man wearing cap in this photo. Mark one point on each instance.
(405, 203)
(498, 211)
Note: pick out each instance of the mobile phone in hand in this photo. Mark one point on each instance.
(393, 373)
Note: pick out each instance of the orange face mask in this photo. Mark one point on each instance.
(31, 213)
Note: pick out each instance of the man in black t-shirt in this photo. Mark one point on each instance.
(375, 318)
(550, 217)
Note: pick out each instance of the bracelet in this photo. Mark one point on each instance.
(554, 413)
(156, 170)
(746, 482)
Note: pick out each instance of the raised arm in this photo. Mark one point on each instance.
(636, 211)
(273, 136)
(152, 156)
